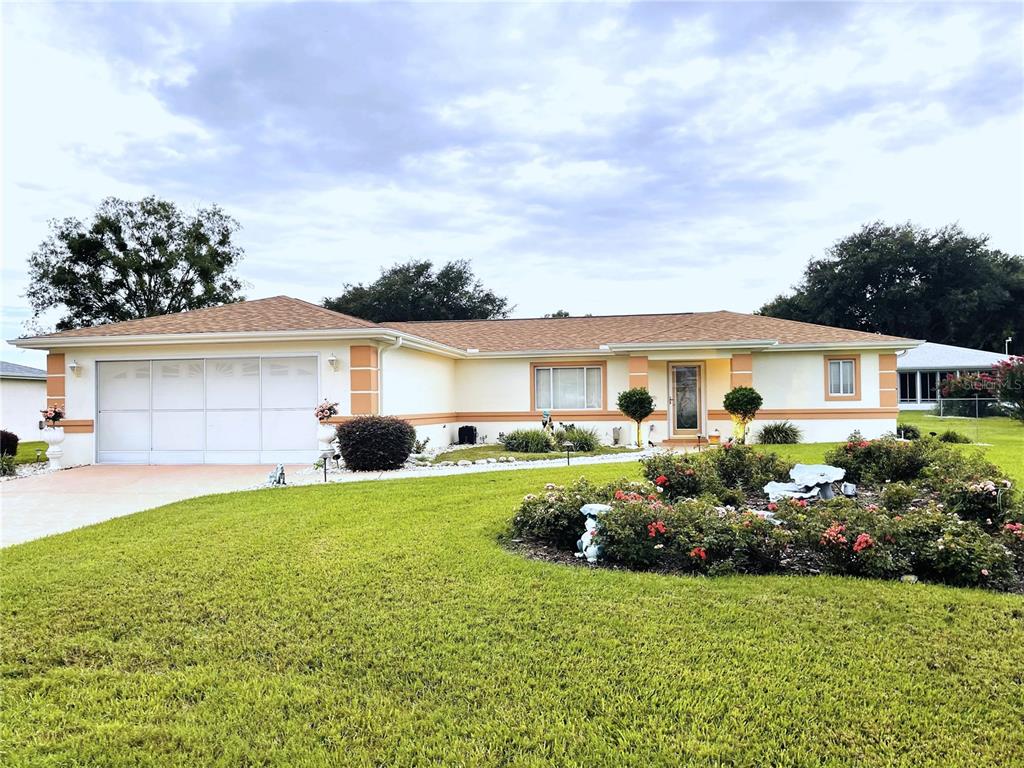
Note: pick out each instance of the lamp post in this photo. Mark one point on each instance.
(1006, 345)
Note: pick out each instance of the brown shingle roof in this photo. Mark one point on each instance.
(282, 313)
(278, 313)
(579, 333)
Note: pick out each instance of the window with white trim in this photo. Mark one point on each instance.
(567, 387)
(841, 375)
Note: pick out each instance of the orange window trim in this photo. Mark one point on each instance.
(856, 377)
(602, 364)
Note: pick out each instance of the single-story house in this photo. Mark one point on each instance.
(923, 368)
(238, 383)
(22, 398)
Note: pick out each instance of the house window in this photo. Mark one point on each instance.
(842, 377)
(567, 387)
(929, 385)
(908, 387)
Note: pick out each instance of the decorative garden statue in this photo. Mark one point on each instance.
(587, 545)
(546, 422)
(276, 476)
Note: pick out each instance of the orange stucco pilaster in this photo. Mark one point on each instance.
(364, 381)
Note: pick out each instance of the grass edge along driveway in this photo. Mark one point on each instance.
(382, 623)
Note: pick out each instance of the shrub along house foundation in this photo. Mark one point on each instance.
(238, 383)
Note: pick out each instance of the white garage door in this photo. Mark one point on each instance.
(238, 410)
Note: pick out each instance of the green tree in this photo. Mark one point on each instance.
(636, 404)
(742, 404)
(944, 286)
(134, 259)
(415, 291)
(559, 313)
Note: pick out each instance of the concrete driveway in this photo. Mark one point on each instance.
(33, 507)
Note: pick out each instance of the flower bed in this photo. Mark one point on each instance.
(926, 512)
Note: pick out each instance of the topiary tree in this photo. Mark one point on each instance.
(636, 404)
(742, 403)
(374, 443)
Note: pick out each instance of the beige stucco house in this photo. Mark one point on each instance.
(238, 383)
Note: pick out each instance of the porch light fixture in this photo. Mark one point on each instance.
(333, 361)
(75, 368)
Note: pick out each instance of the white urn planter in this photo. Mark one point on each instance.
(54, 437)
(325, 433)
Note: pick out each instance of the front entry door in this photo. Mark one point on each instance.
(687, 405)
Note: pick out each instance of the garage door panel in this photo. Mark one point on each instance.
(233, 383)
(124, 431)
(232, 430)
(124, 386)
(207, 410)
(178, 385)
(179, 430)
(289, 382)
(288, 430)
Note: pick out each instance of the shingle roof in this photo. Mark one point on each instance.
(584, 333)
(282, 313)
(15, 371)
(278, 313)
(931, 355)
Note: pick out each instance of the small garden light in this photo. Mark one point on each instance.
(39, 454)
(568, 450)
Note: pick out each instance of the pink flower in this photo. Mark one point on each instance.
(864, 541)
(772, 507)
(699, 552)
(984, 571)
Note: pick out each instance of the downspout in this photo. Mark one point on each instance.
(380, 372)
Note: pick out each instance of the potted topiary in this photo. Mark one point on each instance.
(54, 435)
(636, 404)
(325, 431)
(742, 403)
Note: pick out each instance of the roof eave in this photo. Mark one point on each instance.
(162, 339)
(827, 345)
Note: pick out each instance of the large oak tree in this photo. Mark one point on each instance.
(416, 291)
(135, 259)
(944, 286)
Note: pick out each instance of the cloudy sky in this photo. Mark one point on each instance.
(596, 158)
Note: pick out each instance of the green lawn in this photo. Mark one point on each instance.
(1001, 439)
(494, 450)
(27, 451)
(382, 624)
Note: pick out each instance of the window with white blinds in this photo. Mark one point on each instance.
(567, 388)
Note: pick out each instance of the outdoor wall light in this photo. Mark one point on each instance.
(333, 361)
(75, 368)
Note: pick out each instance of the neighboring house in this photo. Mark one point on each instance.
(22, 397)
(922, 369)
(238, 383)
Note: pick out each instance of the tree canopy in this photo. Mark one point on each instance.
(415, 291)
(944, 286)
(133, 260)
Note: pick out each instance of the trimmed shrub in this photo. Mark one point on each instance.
(740, 466)
(553, 515)
(779, 433)
(908, 431)
(8, 443)
(527, 441)
(582, 438)
(374, 443)
(952, 436)
(875, 462)
(742, 403)
(7, 466)
(682, 476)
(636, 404)
(897, 497)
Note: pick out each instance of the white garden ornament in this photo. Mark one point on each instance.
(586, 545)
(54, 437)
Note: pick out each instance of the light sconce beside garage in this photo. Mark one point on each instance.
(333, 361)
(75, 368)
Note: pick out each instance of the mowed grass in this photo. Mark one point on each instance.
(381, 623)
(27, 452)
(494, 450)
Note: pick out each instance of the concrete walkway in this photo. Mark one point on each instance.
(42, 505)
(33, 507)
